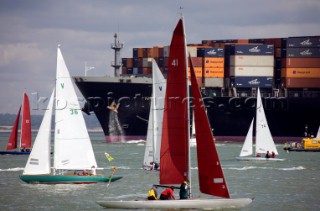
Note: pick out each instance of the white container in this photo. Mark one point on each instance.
(260, 61)
(213, 82)
(251, 71)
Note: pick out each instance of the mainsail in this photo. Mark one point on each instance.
(175, 132)
(25, 138)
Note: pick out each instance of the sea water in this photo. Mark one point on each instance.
(289, 185)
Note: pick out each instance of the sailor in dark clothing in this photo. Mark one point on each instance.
(184, 189)
(268, 154)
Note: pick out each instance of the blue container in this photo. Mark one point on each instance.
(300, 52)
(135, 62)
(303, 42)
(130, 71)
(249, 49)
(210, 52)
(124, 62)
(161, 61)
(135, 52)
(251, 82)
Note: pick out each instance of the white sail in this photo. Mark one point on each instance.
(39, 158)
(247, 145)
(153, 142)
(72, 148)
(264, 140)
(318, 134)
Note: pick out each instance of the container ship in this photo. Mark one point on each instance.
(287, 71)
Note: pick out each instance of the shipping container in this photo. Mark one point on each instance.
(135, 52)
(301, 82)
(303, 42)
(123, 70)
(214, 72)
(260, 61)
(157, 51)
(250, 82)
(147, 70)
(129, 71)
(249, 49)
(192, 51)
(300, 62)
(146, 62)
(236, 71)
(160, 62)
(301, 52)
(197, 70)
(197, 61)
(140, 52)
(300, 72)
(129, 63)
(214, 82)
(124, 62)
(147, 52)
(166, 50)
(135, 62)
(213, 62)
(210, 52)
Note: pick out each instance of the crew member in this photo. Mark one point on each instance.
(152, 193)
(167, 194)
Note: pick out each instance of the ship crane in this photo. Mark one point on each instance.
(116, 64)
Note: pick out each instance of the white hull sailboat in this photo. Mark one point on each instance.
(175, 142)
(151, 159)
(72, 146)
(264, 140)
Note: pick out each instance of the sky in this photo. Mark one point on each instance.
(30, 31)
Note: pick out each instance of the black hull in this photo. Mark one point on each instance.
(230, 117)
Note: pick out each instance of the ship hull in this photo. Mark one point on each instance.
(229, 117)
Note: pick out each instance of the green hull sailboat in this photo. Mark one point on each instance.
(72, 146)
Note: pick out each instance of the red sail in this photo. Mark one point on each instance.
(211, 178)
(25, 138)
(174, 144)
(12, 143)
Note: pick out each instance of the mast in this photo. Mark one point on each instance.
(116, 64)
(188, 105)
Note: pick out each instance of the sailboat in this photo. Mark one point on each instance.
(174, 158)
(151, 159)
(72, 146)
(24, 147)
(264, 140)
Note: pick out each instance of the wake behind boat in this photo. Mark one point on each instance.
(72, 146)
(175, 142)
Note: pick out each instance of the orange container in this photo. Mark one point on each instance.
(197, 70)
(147, 70)
(140, 52)
(301, 82)
(300, 62)
(300, 72)
(214, 72)
(209, 62)
(129, 62)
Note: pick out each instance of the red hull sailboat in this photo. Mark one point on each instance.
(24, 146)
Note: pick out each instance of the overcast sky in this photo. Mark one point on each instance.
(31, 29)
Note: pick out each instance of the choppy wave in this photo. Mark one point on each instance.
(244, 168)
(292, 168)
(13, 169)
